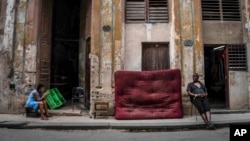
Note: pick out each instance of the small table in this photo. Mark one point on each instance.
(104, 109)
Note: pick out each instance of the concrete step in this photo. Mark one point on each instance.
(227, 111)
(68, 112)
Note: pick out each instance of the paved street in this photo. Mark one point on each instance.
(112, 135)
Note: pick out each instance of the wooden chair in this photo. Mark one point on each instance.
(77, 94)
(193, 108)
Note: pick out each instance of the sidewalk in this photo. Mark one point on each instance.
(220, 119)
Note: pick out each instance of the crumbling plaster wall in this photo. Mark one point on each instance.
(6, 56)
(186, 42)
(233, 32)
(18, 55)
(246, 40)
(106, 48)
(222, 32)
(185, 24)
(135, 34)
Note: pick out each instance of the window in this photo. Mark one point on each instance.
(237, 58)
(224, 10)
(149, 11)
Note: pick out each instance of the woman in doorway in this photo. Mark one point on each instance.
(36, 99)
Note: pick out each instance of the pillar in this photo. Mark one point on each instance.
(187, 50)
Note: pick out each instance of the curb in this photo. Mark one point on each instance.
(12, 124)
(116, 126)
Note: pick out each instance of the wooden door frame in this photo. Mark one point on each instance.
(225, 69)
(87, 72)
(146, 44)
(226, 77)
(38, 19)
(38, 10)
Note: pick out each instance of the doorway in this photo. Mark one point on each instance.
(215, 59)
(65, 46)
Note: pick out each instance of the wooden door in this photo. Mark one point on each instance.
(44, 42)
(155, 56)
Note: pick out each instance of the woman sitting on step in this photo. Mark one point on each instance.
(36, 99)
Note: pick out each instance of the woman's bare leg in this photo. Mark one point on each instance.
(208, 116)
(46, 109)
(41, 107)
(203, 116)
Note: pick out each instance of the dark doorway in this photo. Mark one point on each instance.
(215, 74)
(65, 45)
(155, 56)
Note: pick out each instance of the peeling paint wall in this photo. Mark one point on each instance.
(3, 5)
(233, 32)
(116, 45)
(246, 40)
(238, 90)
(187, 26)
(30, 45)
(135, 34)
(6, 56)
(18, 55)
(226, 32)
(105, 48)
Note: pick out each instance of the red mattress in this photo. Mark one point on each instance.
(148, 94)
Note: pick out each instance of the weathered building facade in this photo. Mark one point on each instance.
(84, 42)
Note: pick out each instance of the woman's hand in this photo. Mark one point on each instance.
(200, 95)
(203, 95)
(46, 94)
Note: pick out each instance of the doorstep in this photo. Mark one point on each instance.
(66, 112)
(227, 111)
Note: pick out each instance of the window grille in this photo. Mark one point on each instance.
(237, 58)
(135, 11)
(224, 10)
(158, 11)
(149, 11)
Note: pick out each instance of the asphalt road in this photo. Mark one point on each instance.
(112, 135)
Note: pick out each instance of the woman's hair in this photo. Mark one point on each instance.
(39, 86)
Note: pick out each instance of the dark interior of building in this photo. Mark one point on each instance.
(65, 45)
(215, 76)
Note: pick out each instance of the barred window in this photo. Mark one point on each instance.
(237, 58)
(224, 10)
(149, 11)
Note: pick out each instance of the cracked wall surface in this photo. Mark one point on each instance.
(115, 45)
(18, 56)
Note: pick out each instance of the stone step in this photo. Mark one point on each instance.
(227, 111)
(63, 112)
